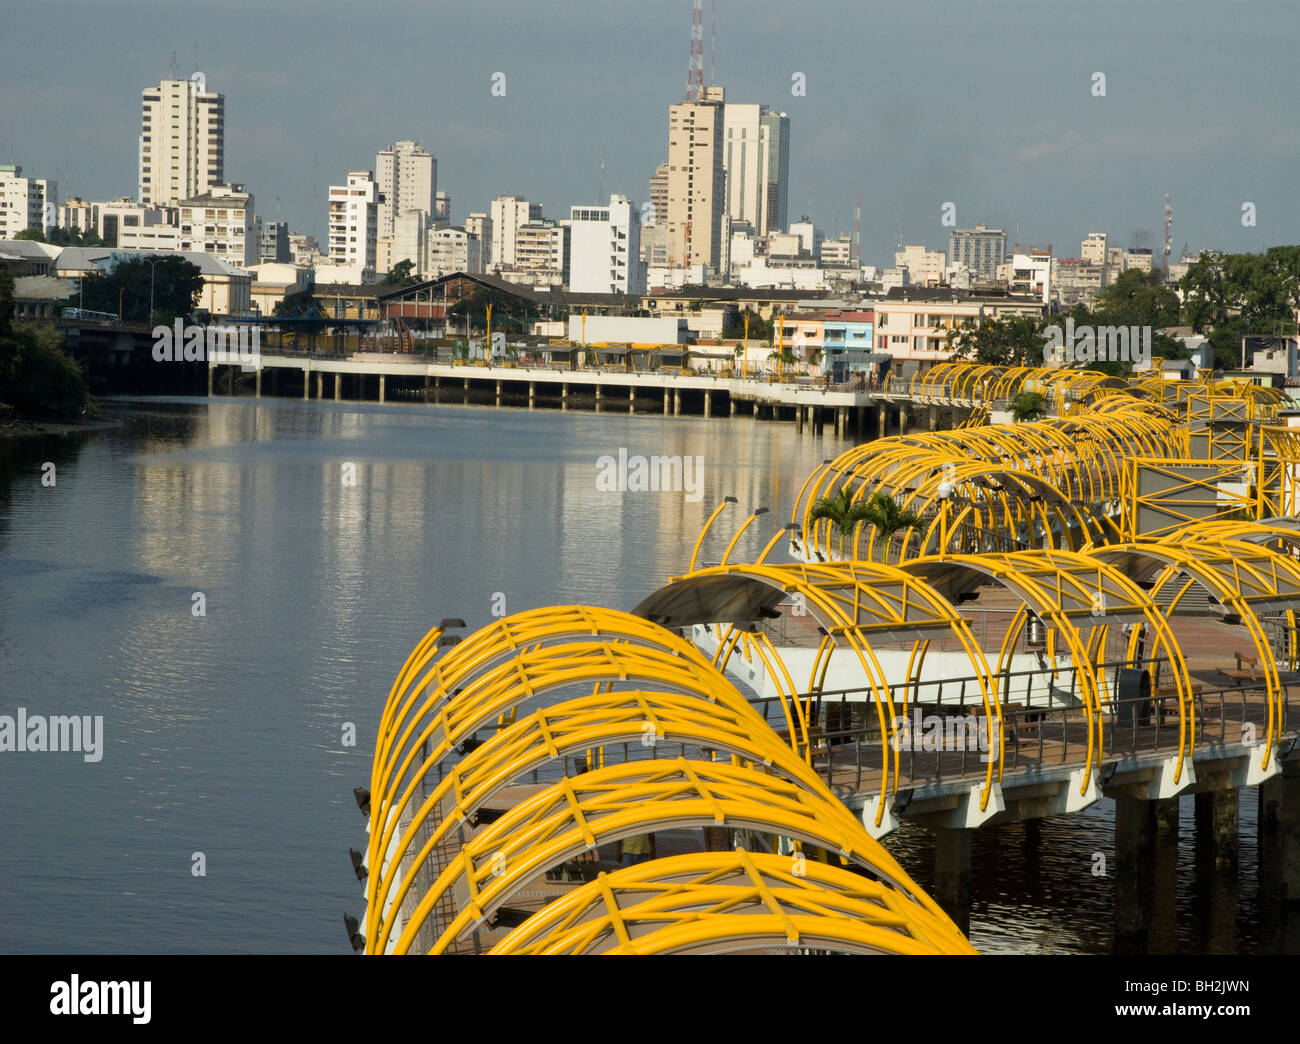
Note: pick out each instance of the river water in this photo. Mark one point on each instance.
(224, 732)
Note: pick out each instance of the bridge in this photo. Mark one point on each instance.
(1100, 604)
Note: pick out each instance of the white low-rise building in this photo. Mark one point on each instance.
(23, 202)
(221, 222)
(604, 248)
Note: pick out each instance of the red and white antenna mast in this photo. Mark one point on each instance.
(695, 71)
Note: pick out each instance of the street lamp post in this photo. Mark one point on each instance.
(945, 502)
(152, 263)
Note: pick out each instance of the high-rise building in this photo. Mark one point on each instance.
(696, 182)
(407, 176)
(441, 207)
(508, 214)
(23, 202)
(354, 221)
(980, 249)
(182, 141)
(452, 250)
(604, 248)
(756, 162)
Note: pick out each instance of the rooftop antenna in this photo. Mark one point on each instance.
(695, 69)
(713, 45)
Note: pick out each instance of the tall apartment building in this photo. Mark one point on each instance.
(654, 231)
(756, 165)
(407, 176)
(542, 247)
(221, 222)
(182, 141)
(980, 249)
(354, 221)
(696, 182)
(925, 267)
(442, 207)
(22, 202)
(508, 214)
(479, 226)
(605, 249)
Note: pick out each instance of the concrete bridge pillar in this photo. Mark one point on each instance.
(257, 383)
(902, 418)
(1133, 832)
(498, 393)
(860, 423)
(631, 398)
(708, 404)
(731, 403)
(1216, 825)
(210, 376)
(1288, 826)
(381, 387)
(465, 383)
(532, 393)
(320, 385)
(798, 417)
(934, 418)
(598, 398)
(338, 386)
(756, 413)
(306, 383)
(667, 396)
(883, 411)
(952, 873)
(677, 401)
(1164, 876)
(230, 380)
(564, 396)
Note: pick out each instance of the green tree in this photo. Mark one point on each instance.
(60, 236)
(1027, 406)
(1009, 340)
(31, 234)
(174, 285)
(400, 274)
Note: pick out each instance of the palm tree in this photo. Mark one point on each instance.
(880, 510)
(1027, 406)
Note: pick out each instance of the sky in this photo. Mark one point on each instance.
(992, 106)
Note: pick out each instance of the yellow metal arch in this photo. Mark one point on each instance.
(731, 901)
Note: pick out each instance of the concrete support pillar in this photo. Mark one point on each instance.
(564, 396)
(1216, 825)
(230, 380)
(708, 404)
(465, 383)
(1133, 829)
(598, 398)
(667, 397)
(338, 386)
(1288, 827)
(381, 387)
(498, 393)
(631, 398)
(841, 422)
(532, 394)
(1164, 876)
(756, 413)
(883, 411)
(677, 401)
(934, 418)
(860, 424)
(257, 383)
(798, 417)
(306, 383)
(320, 385)
(952, 873)
(902, 418)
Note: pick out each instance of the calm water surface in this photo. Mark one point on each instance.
(223, 733)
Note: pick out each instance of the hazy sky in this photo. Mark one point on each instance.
(986, 104)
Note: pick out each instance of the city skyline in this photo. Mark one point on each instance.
(1039, 155)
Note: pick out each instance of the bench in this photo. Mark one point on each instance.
(1241, 673)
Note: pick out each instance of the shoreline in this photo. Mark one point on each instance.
(22, 428)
